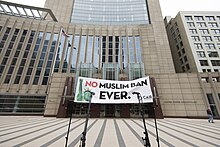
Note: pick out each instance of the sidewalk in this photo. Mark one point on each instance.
(35, 131)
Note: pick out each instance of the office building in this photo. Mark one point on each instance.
(194, 39)
(44, 50)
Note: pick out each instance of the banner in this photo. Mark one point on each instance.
(113, 92)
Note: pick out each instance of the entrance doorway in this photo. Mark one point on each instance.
(109, 110)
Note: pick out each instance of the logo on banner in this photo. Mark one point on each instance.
(108, 91)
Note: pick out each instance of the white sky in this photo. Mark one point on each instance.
(168, 7)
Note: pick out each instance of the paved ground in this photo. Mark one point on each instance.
(40, 131)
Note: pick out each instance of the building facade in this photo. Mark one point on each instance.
(44, 53)
(194, 39)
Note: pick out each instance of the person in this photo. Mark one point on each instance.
(210, 115)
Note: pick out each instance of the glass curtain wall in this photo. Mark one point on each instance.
(110, 12)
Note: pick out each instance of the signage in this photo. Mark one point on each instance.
(113, 92)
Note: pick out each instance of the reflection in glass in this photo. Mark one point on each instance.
(138, 49)
(59, 53)
(89, 50)
(82, 49)
(50, 59)
(67, 53)
(110, 12)
(74, 53)
(96, 52)
(124, 51)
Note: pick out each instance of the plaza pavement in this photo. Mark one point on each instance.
(38, 131)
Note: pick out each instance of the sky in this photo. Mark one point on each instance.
(168, 7)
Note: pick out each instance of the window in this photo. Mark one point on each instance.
(177, 46)
(185, 59)
(213, 54)
(206, 38)
(215, 31)
(201, 24)
(103, 48)
(199, 18)
(209, 45)
(212, 24)
(22, 103)
(138, 49)
(212, 104)
(195, 38)
(200, 54)
(204, 31)
(124, 51)
(131, 49)
(181, 43)
(116, 12)
(204, 63)
(74, 53)
(193, 31)
(198, 45)
(215, 62)
(181, 61)
(183, 68)
(176, 25)
(210, 18)
(89, 49)
(190, 24)
(188, 17)
(218, 44)
(217, 38)
(82, 48)
(187, 67)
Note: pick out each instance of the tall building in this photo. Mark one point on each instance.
(194, 39)
(45, 50)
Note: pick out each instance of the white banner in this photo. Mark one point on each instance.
(109, 92)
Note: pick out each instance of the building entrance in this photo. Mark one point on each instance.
(109, 110)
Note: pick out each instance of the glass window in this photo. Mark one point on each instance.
(67, 53)
(74, 53)
(210, 18)
(188, 17)
(89, 50)
(22, 104)
(199, 18)
(212, 104)
(210, 45)
(96, 51)
(138, 49)
(200, 54)
(110, 12)
(204, 63)
(131, 49)
(193, 31)
(215, 62)
(213, 54)
(124, 51)
(204, 31)
(59, 52)
(190, 24)
(82, 49)
(195, 38)
(103, 48)
(201, 24)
